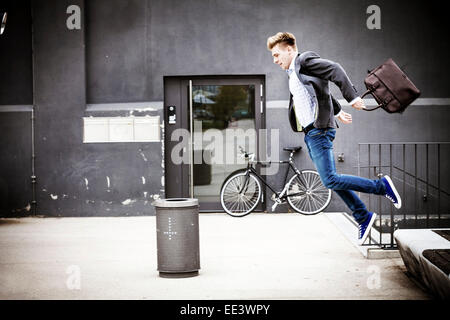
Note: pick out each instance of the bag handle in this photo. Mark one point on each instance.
(369, 91)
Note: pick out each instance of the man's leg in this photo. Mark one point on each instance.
(320, 147)
(359, 210)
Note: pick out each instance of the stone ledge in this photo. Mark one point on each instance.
(411, 244)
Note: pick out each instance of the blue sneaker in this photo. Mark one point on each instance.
(364, 228)
(391, 192)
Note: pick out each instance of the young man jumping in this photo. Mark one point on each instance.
(312, 110)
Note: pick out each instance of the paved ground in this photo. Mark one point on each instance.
(260, 256)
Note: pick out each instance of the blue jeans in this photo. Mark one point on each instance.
(320, 148)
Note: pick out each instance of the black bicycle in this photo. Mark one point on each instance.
(241, 191)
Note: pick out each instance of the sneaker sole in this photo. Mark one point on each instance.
(372, 220)
(398, 205)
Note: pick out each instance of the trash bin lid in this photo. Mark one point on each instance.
(175, 202)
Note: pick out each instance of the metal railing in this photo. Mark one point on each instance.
(421, 173)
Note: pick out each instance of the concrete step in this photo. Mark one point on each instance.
(370, 249)
(412, 243)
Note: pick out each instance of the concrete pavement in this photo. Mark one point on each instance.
(260, 256)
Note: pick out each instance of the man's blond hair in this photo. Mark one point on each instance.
(285, 38)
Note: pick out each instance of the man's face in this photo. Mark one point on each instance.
(282, 55)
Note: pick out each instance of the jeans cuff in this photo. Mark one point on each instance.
(382, 187)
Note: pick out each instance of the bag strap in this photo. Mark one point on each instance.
(369, 91)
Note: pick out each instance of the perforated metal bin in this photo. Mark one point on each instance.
(177, 237)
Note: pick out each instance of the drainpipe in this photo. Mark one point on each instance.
(33, 155)
(33, 174)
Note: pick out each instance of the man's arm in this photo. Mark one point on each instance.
(311, 64)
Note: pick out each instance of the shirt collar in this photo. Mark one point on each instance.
(292, 65)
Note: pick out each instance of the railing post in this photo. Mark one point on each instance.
(426, 205)
(368, 168)
(359, 165)
(392, 214)
(404, 180)
(439, 183)
(379, 198)
(415, 183)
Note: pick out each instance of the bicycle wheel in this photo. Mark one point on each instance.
(310, 196)
(240, 194)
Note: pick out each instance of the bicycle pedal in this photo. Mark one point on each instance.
(277, 200)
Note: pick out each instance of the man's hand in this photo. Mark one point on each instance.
(359, 105)
(345, 117)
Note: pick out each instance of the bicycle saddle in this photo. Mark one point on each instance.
(294, 149)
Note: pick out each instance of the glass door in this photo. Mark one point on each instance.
(225, 114)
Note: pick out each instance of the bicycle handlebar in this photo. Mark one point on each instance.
(246, 155)
(249, 156)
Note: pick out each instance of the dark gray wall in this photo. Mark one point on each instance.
(72, 176)
(15, 123)
(126, 47)
(60, 102)
(117, 51)
(15, 163)
(144, 40)
(16, 86)
(124, 164)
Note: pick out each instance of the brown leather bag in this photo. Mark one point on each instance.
(391, 88)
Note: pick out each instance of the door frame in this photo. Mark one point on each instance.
(177, 178)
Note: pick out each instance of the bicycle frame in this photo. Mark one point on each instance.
(280, 195)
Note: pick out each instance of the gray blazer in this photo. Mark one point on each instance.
(315, 74)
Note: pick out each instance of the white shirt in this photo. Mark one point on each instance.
(304, 104)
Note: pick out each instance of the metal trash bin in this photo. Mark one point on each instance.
(177, 237)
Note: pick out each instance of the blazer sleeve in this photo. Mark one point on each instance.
(311, 64)
(336, 105)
